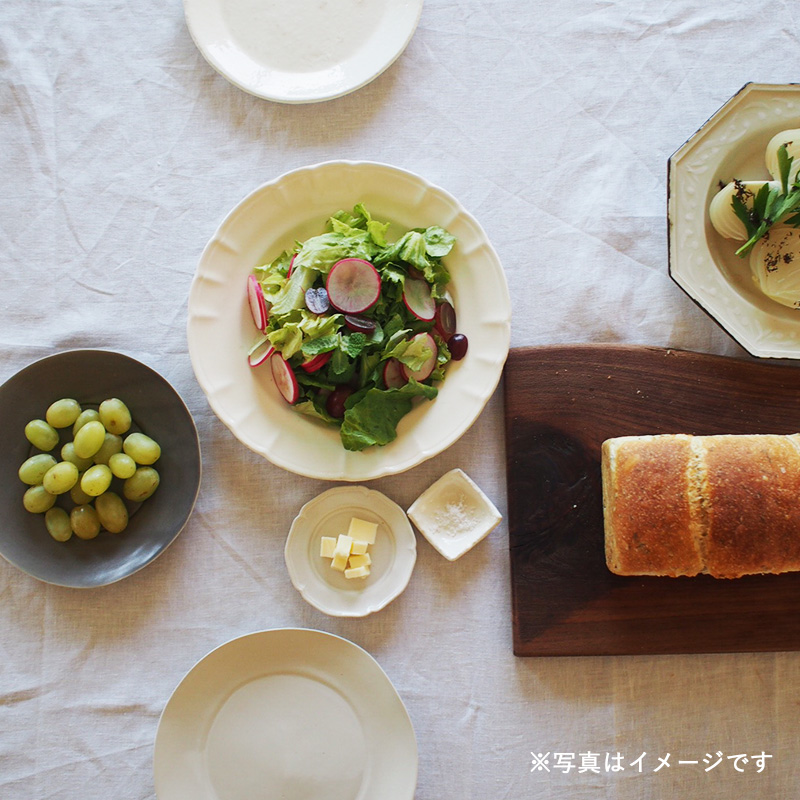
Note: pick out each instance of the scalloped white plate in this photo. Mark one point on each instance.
(393, 554)
(703, 263)
(302, 51)
(295, 207)
(285, 713)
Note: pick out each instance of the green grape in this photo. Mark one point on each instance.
(37, 499)
(40, 434)
(85, 522)
(96, 480)
(115, 416)
(68, 454)
(58, 525)
(142, 449)
(89, 439)
(87, 415)
(63, 413)
(112, 512)
(122, 465)
(79, 497)
(60, 478)
(112, 444)
(33, 469)
(141, 484)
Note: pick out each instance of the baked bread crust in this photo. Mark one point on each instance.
(680, 505)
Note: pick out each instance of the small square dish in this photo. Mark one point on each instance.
(454, 514)
(391, 557)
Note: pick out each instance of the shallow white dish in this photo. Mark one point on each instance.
(295, 207)
(289, 713)
(393, 554)
(703, 263)
(303, 51)
(454, 514)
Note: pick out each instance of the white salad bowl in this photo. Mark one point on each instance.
(704, 264)
(292, 208)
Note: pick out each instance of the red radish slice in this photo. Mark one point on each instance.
(445, 320)
(318, 362)
(393, 374)
(430, 362)
(260, 353)
(353, 285)
(258, 305)
(418, 300)
(284, 378)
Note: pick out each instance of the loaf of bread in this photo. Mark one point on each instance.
(684, 505)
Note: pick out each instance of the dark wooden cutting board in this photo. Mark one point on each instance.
(561, 403)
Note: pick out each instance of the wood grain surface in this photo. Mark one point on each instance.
(561, 403)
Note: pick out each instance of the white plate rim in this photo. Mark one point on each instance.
(401, 724)
(197, 11)
(357, 499)
(353, 467)
(764, 329)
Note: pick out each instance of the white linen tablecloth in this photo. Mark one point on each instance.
(122, 150)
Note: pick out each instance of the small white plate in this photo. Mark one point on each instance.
(454, 514)
(286, 713)
(301, 51)
(292, 208)
(704, 264)
(393, 554)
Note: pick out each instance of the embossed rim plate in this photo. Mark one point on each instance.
(730, 145)
(293, 207)
(228, 55)
(393, 554)
(287, 712)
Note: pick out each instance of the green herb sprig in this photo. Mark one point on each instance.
(770, 205)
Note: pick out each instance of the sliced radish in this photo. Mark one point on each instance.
(393, 374)
(445, 320)
(318, 362)
(353, 285)
(429, 365)
(258, 305)
(418, 300)
(260, 353)
(284, 378)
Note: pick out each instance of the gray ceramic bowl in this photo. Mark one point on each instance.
(91, 376)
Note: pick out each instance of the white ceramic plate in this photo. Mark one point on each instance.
(703, 263)
(393, 554)
(287, 713)
(301, 51)
(295, 207)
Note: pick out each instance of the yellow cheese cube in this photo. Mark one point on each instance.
(326, 546)
(359, 548)
(357, 572)
(360, 561)
(362, 531)
(341, 552)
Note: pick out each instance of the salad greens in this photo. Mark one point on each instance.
(770, 205)
(339, 361)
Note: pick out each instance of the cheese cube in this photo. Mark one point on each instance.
(362, 531)
(341, 552)
(326, 546)
(360, 561)
(359, 548)
(357, 572)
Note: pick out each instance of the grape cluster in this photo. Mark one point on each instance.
(98, 452)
